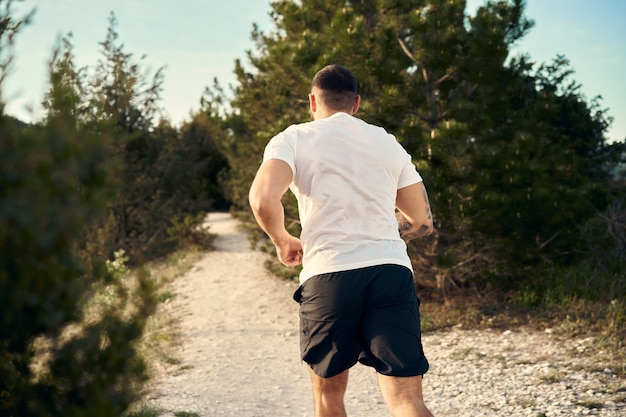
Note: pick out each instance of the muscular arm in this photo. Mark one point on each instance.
(271, 182)
(412, 202)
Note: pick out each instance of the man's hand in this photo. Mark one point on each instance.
(289, 251)
(270, 183)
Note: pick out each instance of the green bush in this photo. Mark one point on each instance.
(55, 360)
(163, 174)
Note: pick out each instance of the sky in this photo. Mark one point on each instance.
(196, 41)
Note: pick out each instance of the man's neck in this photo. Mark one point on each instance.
(325, 113)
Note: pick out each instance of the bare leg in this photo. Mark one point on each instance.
(328, 394)
(403, 396)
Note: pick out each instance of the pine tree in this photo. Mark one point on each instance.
(164, 180)
(512, 154)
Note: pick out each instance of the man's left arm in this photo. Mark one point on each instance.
(269, 185)
(417, 219)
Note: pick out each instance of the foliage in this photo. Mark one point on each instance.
(9, 27)
(513, 155)
(53, 186)
(190, 232)
(97, 178)
(598, 276)
(144, 412)
(163, 174)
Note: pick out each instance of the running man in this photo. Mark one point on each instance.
(357, 296)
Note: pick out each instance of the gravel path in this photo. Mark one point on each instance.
(238, 355)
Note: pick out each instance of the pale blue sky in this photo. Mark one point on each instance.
(198, 40)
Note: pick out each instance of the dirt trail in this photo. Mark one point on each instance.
(239, 355)
(240, 348)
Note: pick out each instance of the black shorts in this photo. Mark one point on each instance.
(370, 315)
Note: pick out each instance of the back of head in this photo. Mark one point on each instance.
(336, 87)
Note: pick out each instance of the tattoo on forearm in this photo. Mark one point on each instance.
(429, 214)
(403, 224)
(421, 232)
(406, 229)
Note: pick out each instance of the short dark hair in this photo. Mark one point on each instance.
(337, 85)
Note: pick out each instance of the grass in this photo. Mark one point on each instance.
(590, 404)
(525, 402)
(158, 345)
(164, 296)
(500, 359)
(552, 376)
(461, 354)
(572, 318)
(143, 412)
(159, 336)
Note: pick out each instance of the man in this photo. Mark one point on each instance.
(357, 296)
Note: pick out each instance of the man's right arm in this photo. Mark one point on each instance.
(270, 183)
(412, 202)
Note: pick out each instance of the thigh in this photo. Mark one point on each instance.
(330, 310)
(391, 324)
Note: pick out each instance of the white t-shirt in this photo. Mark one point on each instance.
(346, 173)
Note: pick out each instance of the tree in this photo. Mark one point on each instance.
(9, 27)
(166, 179)
(54, 360)
(70, 318)
(511, 152)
